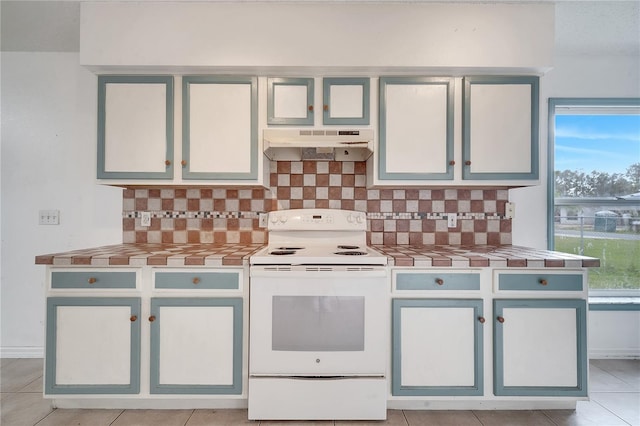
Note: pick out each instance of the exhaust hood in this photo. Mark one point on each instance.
(318, 145)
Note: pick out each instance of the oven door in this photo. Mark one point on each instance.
(320, 321)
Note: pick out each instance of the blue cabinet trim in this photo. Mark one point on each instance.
(533, 282)
(326, 95)
(272, 82)
(580, 307)
(205, 280)
(397, 388)
(382, 105)
(103, 279)
(159, 388)
(187, 81)
(103, 81)
(50, 384)
(467, 104)
(429, 281)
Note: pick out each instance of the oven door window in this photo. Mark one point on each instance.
(318, 323)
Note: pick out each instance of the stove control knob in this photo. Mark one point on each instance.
(274, 218)
(350, 218)
(359, 219)
(283, 219)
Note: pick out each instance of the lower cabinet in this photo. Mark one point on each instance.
(196, 345)
(437, 347)
(540, 347)
(93, 345)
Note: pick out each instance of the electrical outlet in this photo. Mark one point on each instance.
(49, 217)
(145, 219)
(263, 219)
(452, 220)
(509, 210)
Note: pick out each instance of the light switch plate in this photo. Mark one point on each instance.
(263, 219)
(452, 220)
(145, 219)
(49, 217)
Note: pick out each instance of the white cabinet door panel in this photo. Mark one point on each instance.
(417, 141)
(196, 345)
(500, 128)
(220, 128)
(437, 347)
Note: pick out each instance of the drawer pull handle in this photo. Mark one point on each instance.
(92, 280)
(311, 108)
(196, 280)
(167, 163)
(481, 320)
(439, 281)
(452, 163)
(133, 318)
(542, 281)
(184, 163)
(500, 319)
(467, 163)
(325, 108)
(152, 318)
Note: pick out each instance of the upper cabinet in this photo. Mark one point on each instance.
(135, 127)
(416, 129)
(290, 101)
(480, 130)
(219, 127)
(500, 128)
(345, 101)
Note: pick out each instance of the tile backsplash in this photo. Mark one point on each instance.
(395, 216)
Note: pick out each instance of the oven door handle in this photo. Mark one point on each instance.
(327, 378)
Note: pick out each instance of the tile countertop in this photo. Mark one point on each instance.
(238, 255)
(483, 256)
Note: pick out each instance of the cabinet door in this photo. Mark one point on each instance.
(540, 347)
(135, 127)
(196, 345)
(500, 128)
(416, 128)
(290, 101)
(93, 345)
(219, 127)
(345, 101)
(437, 347)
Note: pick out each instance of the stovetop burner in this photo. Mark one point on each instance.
(351, 253)
(347, 247)
(289, 248)
(282, 252)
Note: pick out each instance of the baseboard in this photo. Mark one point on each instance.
(21, 352)
(614, 353)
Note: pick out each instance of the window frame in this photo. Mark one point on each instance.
(582, 106)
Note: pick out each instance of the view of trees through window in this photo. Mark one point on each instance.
(596, 195)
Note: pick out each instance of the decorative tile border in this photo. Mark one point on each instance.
(396, 216)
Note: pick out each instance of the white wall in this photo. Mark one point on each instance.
(48, 162)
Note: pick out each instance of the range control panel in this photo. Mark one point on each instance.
(317, 220)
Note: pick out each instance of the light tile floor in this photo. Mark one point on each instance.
(614, 384)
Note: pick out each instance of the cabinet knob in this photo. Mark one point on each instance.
(500, 319)
(184, 163)
(152, 318)
(167, 162)
(439, 281)
(452, 163)
(133, 318)
(326, 107)
(542, 281)
(481, 320)
(310, 107)
(92, 280)
(467, 163)
(196, 280)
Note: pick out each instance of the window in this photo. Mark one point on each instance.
(594, 187)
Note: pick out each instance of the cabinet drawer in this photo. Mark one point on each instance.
(437, 281)
(198, 280)
(540, 282)
(93, 279)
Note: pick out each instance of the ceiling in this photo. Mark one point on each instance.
(582, 27)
